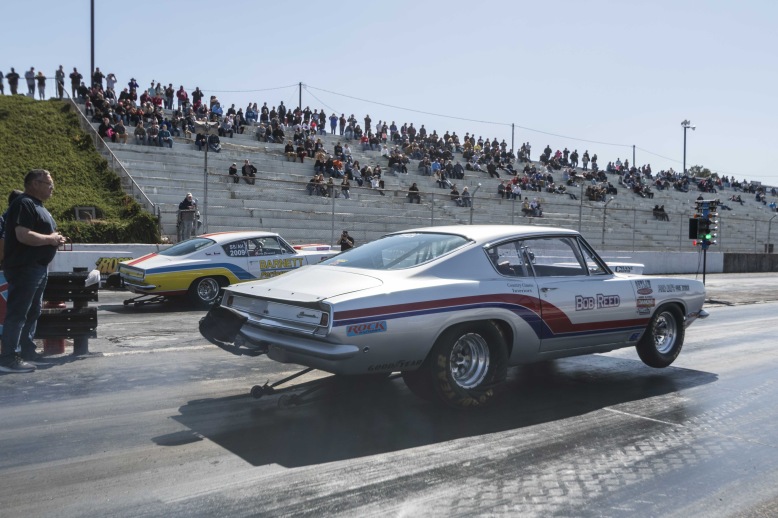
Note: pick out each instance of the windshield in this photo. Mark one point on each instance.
(398, 251)
(188, 246)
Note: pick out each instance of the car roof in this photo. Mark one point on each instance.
(223, 237)
(483, 234)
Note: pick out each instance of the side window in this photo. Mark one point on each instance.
(555, 256)
(508, 259)
(593, 263)
(235, 249)
(267, 246)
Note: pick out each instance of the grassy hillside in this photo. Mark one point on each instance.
(46, 135)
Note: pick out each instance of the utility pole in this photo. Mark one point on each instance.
(92, 46)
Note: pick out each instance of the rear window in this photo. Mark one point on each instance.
(399, 251)
(188, 246)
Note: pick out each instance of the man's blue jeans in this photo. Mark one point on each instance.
(25, 296)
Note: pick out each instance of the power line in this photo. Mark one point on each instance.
(407, 109)
(246, 91)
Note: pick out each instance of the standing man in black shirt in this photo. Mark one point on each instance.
(346, 241)
(31, 242)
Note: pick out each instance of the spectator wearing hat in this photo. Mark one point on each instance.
(233, 172)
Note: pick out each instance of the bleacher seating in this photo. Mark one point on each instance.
(278, 200)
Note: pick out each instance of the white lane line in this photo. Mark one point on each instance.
(163, 350)
(642, 417)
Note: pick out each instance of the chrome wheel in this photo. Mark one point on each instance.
(665, 332)
(469, 360)
(662, 342)
(204, 291)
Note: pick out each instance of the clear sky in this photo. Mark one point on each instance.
(598, 75)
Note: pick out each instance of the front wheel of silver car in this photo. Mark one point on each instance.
(204, 291)
(467, 363)
(663, 339)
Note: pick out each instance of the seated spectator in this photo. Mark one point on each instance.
(214, 143)
(233, 172)
(425, 167)
(165, 137)
(378, 184)
(454, 194)
(536, 209)
(121, 132)
(249, 172)
(261, 133)
(466, 199)
(660, 214)
(413, 194)
(200, 141)
(106, 130)
(337, 167)
(226, 127)
(153, 134)
(443, 182)
(289, 151)
(312, 186)
(140, 133)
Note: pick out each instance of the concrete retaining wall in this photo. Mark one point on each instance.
(746, 263)
(99, 256)
(105, 257)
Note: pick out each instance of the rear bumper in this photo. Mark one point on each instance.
(232, 331)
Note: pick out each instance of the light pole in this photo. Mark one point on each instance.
(685, 124)
(472, 199)
(204, 129)
(604, 217)
(580, 207)
(205, 179)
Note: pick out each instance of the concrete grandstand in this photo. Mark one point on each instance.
(159, 177)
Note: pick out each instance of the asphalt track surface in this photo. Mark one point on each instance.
(158, 422)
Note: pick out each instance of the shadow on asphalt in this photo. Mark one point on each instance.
(350, 421)
(168, 306)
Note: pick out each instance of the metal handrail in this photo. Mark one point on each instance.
(150, 205)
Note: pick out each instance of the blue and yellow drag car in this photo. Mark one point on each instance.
(201, 266)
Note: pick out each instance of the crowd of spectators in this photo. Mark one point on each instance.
(446, 158)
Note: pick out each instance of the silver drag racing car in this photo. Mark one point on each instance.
(451, 308)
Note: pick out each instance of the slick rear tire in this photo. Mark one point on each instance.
(662, 342)
(467, 363)
(419, 382)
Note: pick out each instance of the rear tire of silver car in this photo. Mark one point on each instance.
(662, 342)
(467, 363)
(204, 291)
(420, 382)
